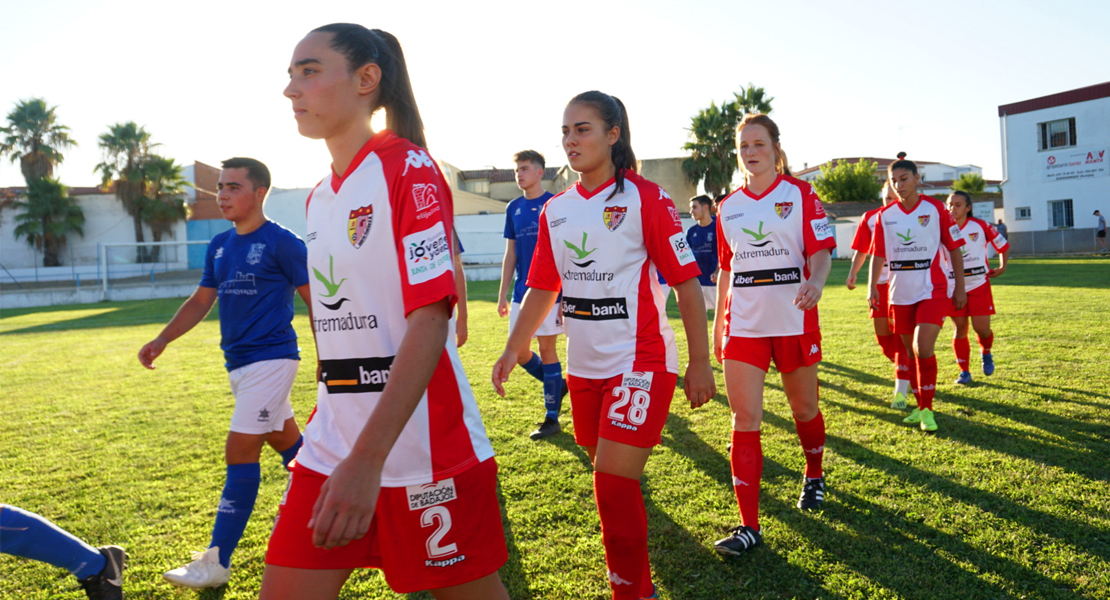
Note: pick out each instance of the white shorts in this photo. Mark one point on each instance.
(261, 391)
(709, 292)
(552, 324)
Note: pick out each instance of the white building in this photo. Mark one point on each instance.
(1056, 169)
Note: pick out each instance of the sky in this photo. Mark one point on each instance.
(205, 78)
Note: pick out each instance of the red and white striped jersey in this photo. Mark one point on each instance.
(603, 254)
(764, 242)
(862, 241)
(379, 247)
(979, 234)
(913, 243)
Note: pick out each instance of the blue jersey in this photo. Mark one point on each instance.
(255, 277)
(522, 225)
(703, 241)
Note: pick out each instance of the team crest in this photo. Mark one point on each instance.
(923, 219)
(783, 209)
(677, 218)
(613, 216)
(358, 225)
(974, 236)
(424, 194)
(255, 255)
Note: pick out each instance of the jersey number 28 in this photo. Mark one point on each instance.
(637, 402)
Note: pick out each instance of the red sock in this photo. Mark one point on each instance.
(911, 367)
(986, 343)
(927, 379)
(620, 504)
(812, 436)
(886, 342)
(962, 347)
(902, 364)
(747, 469)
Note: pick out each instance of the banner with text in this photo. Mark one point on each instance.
(1074, 164)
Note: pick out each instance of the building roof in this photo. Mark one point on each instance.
(73, 191)
(503, 175)
(1091, 92)
(882, 163)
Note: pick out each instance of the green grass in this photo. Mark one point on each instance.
(1008, 500)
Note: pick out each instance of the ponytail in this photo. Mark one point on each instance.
(362, 46)
(612, 112)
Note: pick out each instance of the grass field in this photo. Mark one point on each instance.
(1007, 500)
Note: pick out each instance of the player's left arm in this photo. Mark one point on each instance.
(819, 242)
(952, 239)
(1002, 247)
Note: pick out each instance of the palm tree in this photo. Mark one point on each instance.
(712, 144)
(49, 215)
(972, 183)
(753, 100)
(34, 138)
(163, 201)
(125, 149)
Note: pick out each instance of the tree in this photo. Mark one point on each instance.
(972, 183)
(125, 148)
(847, 182)
(163, 201)
(712, 144)
(49, 215)
(34, 138)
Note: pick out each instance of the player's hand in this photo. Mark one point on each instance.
(996, 272)
(501, 370)
(808, 296)
(502, 308)
(959, 299)
(713, 277)
(460, 332)
(698, 383)
(873, 297)
(345, 506)
(850, 282)
(718, 346)
(152, 350)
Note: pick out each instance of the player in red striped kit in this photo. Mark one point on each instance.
(600, 243)
(919, 284)
(891, 344)
(774, 246)
(977, 278)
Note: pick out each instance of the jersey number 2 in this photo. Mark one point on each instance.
(429, 518)
(637, 412)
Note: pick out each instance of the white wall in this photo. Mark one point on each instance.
(1025, 166)
(286, 208)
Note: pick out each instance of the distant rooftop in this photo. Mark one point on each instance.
(1084, 94)
(503, 175)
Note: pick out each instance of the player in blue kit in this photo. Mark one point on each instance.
(254, 269)
(702, 239)
(522, 225)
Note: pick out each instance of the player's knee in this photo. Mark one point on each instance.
(746, 420)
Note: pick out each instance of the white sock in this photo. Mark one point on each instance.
(902, 386)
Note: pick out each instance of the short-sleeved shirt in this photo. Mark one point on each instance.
(255, 277)
(862, 241)
(1101, 223)
(703, 242)
(380, 246)
(522, 225)
(979, 234)
(765, 243)
(914, 243)
(602, 253)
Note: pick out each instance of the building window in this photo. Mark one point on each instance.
(1061, 214)
(1023, 213)
(1056, 134)
(477, 186)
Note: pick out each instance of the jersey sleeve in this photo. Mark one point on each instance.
(510, 229)
(878, 238)
(459, 250)
(950, 235)
(724, 250)
(816, 231)
(208, 276)
(996, 238)
(543, 274)
(292, 259)
(422, 222)
(666, 242)
(862, 240)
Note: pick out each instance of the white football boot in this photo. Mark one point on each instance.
(204, 572)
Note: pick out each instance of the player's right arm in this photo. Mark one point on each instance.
(508, 266)
(192, 311)
(857, 263)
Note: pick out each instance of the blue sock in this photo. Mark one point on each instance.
(28, 535)
(236, 506)
(290, 453)
(534, 366)
(553, 389)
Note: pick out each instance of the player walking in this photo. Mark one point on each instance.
(702, 238)
(978, 234)
(775, 254)
(599, 242)
(396, 471)
(891, 344)
(522, 225)
(253, 269)
(919, 293)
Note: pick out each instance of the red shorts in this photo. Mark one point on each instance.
(883, 312)
(904, 318)
(630, 408)
(434, 535)
(788, 351)
(980, 302)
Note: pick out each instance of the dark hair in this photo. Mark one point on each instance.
(362, 46)
(257, 173)
(967, 196)
(717, 200)
(902, 163)
(702, 200)
(530, 155)
(782, 165)
(612, 112)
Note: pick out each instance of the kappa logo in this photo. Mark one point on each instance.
(736, 482)
(424, 194)
(557, 222)
(330, 286)
(817, 450)
(663, 194)
(418, 159)
(219, 253)
(616, 579)
(783, 209)
(735, 216)
(358, 225)
(255, 255)
(757, 236)
(814, 349)
(923, 219)
(580, 252)
(613, 216)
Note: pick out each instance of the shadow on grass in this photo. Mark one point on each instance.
(512, 572)
(1022, 385)
(565, 441)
